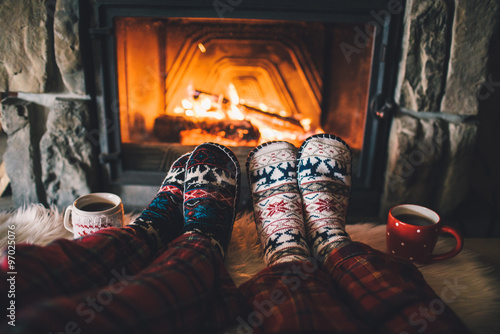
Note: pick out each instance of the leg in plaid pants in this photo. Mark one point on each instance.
(106, 283)
(186, 289)
(357, 290)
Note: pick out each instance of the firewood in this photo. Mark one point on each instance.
(168, 128)
(273, 121)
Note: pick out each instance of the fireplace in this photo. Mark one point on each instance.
(175, 76)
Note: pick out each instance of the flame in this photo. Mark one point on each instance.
(186, 104)
(202, 47)
(235, 113)
(238, 118)
(233, 94)
(179, 110)
(201, 105)
(306, 123)
(206, 103)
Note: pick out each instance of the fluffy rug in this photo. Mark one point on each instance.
(471, 288)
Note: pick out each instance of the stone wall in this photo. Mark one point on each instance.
(430, 160)
(26, 60)
(48, 157)
(446, 52)
(21, 163)
(66, 154)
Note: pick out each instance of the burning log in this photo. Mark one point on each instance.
(178, 128)
(274, 121)
(204, 116)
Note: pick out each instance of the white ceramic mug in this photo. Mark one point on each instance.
(93, 212)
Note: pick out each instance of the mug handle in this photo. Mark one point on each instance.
(67, 220)
(458, 247)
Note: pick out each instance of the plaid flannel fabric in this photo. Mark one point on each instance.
(389, 293)
(109, 282)
(296, 297)
(106, 283)
(358, 290)
(71, 266)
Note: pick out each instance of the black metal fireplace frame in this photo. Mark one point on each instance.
(367, 177)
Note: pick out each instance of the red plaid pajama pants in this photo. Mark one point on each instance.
(109, 282)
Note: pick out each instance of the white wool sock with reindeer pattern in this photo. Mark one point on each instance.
(324, 177)
(271, 169)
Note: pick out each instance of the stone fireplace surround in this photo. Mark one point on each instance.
(447, 82)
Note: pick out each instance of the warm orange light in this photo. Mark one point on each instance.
(233, 94)
(235, 113)
(306, 124)
(211, 109)
(206, 103)
(179, 110)
(202, 47)
(186, 104)
(234, 90)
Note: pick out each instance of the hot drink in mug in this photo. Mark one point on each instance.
(413, 231)
(93, 212)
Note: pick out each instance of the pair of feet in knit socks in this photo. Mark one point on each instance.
(198, 195)
(300, 197)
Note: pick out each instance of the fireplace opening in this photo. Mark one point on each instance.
(239, 82)
(174, 75)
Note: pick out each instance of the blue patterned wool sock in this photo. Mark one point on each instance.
(211, 192)
(162, 219)
(271, 170)
(324, 177)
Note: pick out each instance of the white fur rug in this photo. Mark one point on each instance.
(471, 288)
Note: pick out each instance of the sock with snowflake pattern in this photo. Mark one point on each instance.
(211, 193)
(272, 178)
(324, 177)
(162, 221)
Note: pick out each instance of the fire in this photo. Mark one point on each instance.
(236, 113)
(227, 119)
(246, 87)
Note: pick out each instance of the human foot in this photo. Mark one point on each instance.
(271, 169)
(162, 219)
(211, 193)
(324, 178)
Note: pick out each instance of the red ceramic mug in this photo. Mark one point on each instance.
(412, 233)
